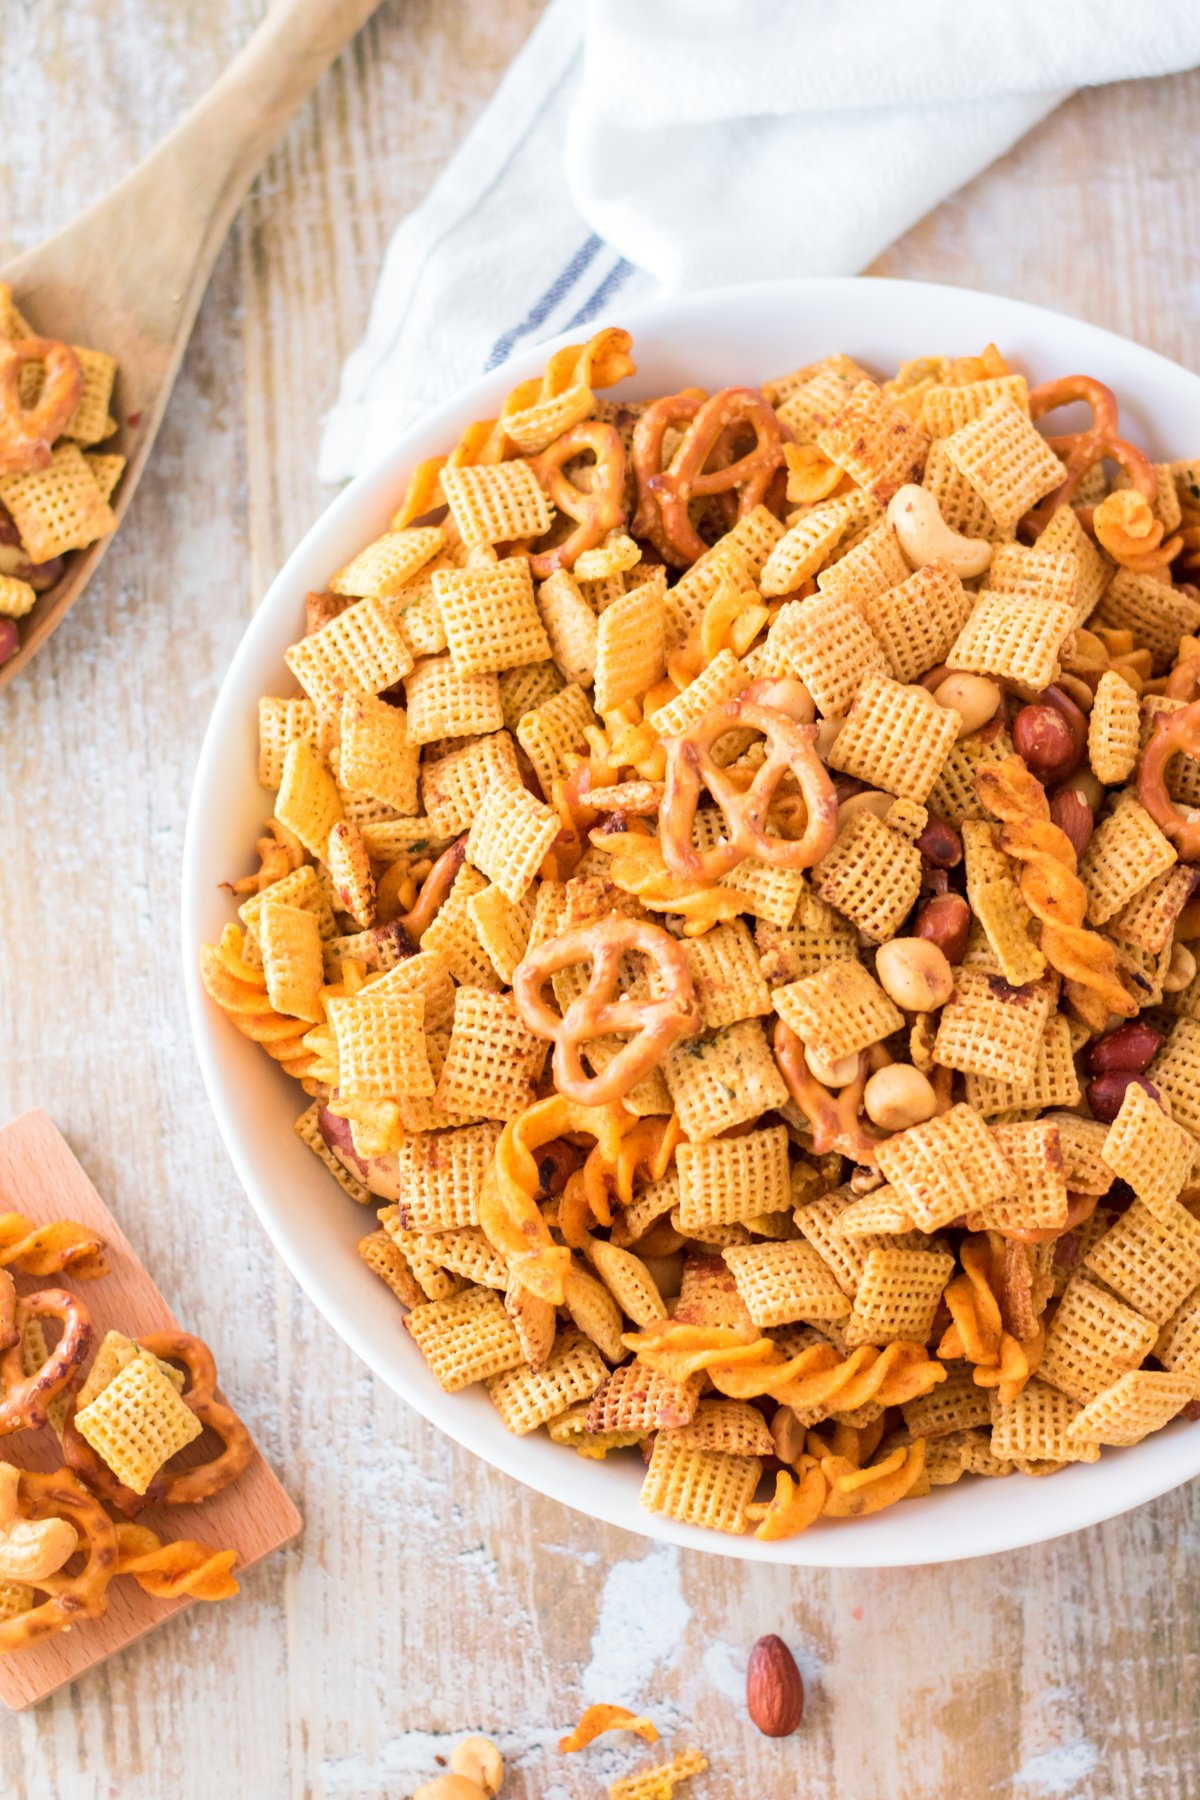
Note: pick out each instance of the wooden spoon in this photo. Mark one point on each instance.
(128, 276)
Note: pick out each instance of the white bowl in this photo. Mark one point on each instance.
(737, 335)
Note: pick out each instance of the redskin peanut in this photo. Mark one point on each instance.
(1044, 739)
(945, 921)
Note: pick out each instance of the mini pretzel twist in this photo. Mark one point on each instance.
(26, 433)
(1082, 450)
(1094, 969)
(69, 1598)
(658, 1023)
(182, 1487)
(1174, 733)
(693, 476)
(27, 1397)
(834, 1121)
(674, 412)
(596, 512)
(791, 749)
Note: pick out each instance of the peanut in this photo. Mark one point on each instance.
(945, 921)
(831, 1074)
(1105, 1094)
(479, 1760)
(1182, 970)
(915, 972)
(940, 844)
(785, 695)
(1044, 739)
(973, 697)
(1126, 1051)
(899, 1096)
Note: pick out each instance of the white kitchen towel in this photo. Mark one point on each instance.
(641, 145)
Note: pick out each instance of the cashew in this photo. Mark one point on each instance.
(30, 1549)
(915, 517)
(479, 1760)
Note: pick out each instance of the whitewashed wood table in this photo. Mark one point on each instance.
(430, 1596)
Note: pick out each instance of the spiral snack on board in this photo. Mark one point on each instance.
(61, 1247)
(657, 1023)
(180, 1566)
(691, 767)
(1053, 892)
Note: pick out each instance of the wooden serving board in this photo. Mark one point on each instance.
(40, 1178)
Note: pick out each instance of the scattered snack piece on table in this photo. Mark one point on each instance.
(55, 485)
(730, 896)
(606, 1717)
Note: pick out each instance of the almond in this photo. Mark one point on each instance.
(774, 1688)
(1072, 814)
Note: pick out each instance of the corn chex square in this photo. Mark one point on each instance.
(527, 1398)
(1157, 613)
(279, 721)
(723, 679)
(57, 509)
(523, 689)
(895, 738)
(1054, 1081)
(570, 626)
(812, 937)
(1125, 853)
(1035, 1427)
(697, 1487)
(377, 757)
(553, 733)
(502, 928)
(383, 567)
(308, 802)
(872, 876)
(962, 508)
(381, 1044)
(496, 503)
(719, 1081)
(1175, 1072)
(1093, 569)
(838, 1011)
(946, 409)
(827, 644)
(1145, 1147)
(917, 620)
(1148, 920)
(454, 787)
(802, 549)
(630, 647)
(898, 1296)
(946, 1167)
(137, 1422)
(1150, 1259)
(490, 617)
(730, 1179)
(1005, 459)
(635, 1398)
(1142, 1401)
(990, 1028)
(1092, 1339)
(442, 703)
(871, 566)
(875, 442)
(362, 649)
(726, 975)
(1036, 1199)
(785, 1282)
(1178, 1346)
(510, 837)
(468, 1337)
(493, 1059)
(1013, 636)
(453, 935)
(439, 1175)
(1039, 574)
